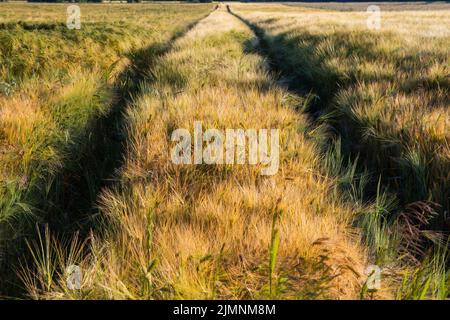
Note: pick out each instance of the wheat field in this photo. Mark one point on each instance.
(88, 176)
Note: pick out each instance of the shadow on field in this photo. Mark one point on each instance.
(67, 204)
(295, 62)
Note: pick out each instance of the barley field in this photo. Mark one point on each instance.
(355, 176)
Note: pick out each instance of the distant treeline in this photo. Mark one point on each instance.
(97, 1)
(132, 1)
(406, 1)
(203, 1)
